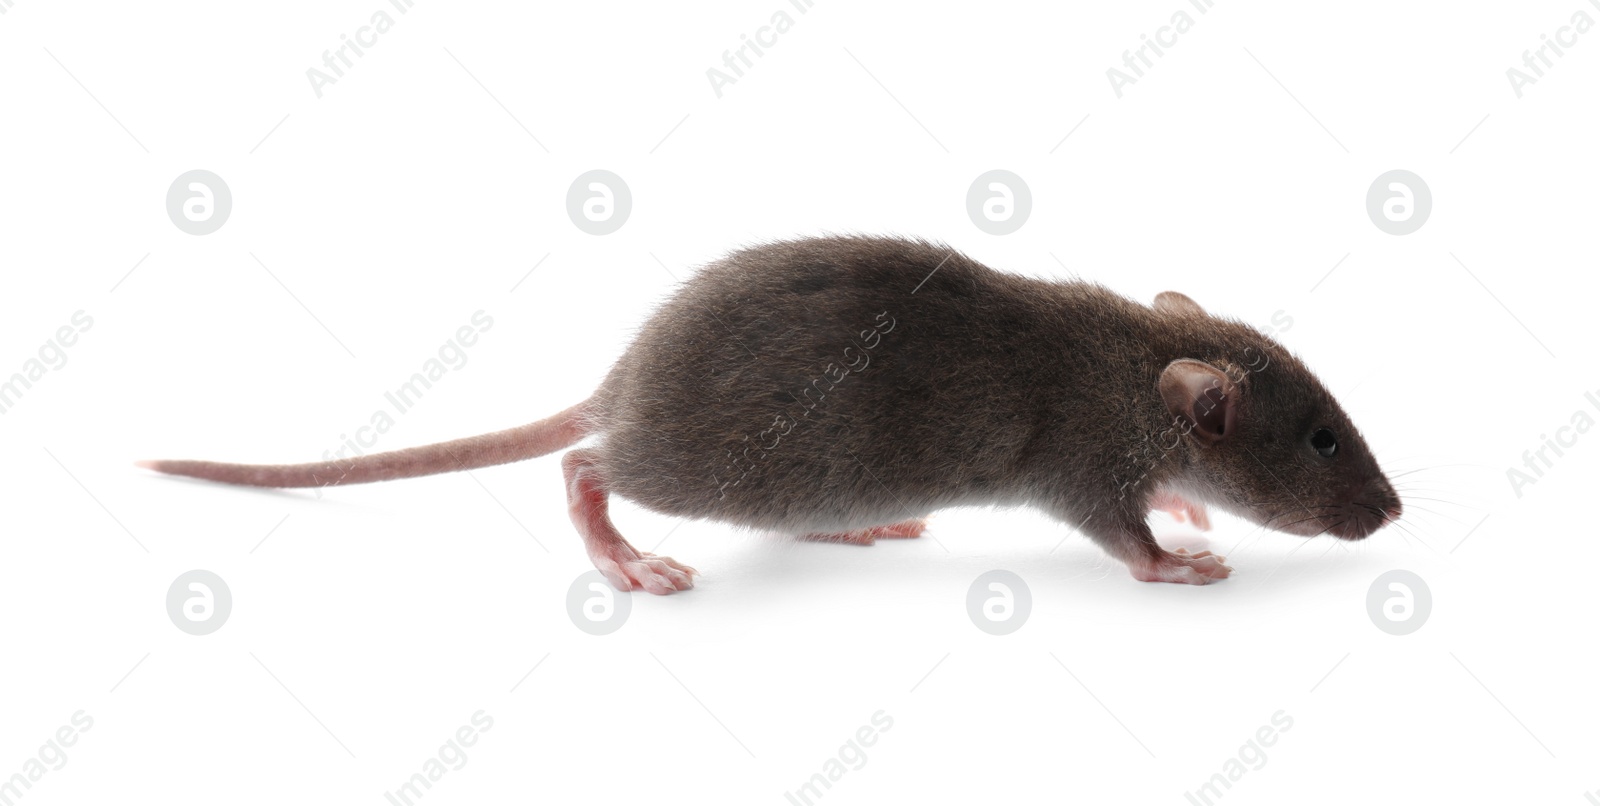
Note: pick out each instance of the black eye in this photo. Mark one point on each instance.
(1325, 444)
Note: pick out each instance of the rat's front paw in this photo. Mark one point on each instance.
(1181, 566)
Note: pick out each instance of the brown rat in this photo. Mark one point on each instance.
(843, 387)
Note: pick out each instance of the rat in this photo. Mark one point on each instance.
(845, 387)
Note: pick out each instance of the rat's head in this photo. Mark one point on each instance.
(1267, 441)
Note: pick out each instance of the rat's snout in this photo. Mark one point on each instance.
(1382, 495)
(1370, 508)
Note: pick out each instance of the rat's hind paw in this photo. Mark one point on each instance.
(866, 537)
(624, 566)
(1181, 566)
(659, 575)
(1181, 509)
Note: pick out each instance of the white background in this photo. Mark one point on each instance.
(374, 621)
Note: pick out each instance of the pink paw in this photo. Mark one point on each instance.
(658, 575)
(866, 537)
(1181, 509)
(1181, 566)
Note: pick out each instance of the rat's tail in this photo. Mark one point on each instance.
(511, 445)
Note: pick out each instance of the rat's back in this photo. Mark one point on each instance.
(837, 382)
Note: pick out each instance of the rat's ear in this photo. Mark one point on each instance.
(1201, 397)
(1173, 302)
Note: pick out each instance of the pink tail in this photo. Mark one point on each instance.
(512, 445)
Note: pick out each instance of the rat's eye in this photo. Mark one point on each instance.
(1323, 441)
